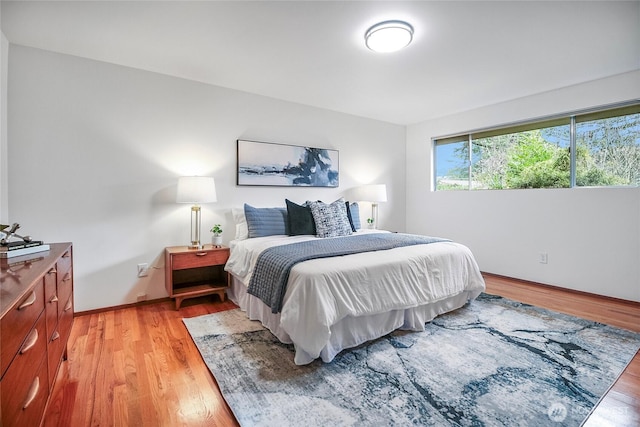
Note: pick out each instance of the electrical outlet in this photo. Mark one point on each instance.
(143, 269)
(543, 258)
(141, 297)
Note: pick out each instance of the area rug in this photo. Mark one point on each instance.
(494, 362)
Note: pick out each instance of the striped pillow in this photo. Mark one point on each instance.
(266, 221)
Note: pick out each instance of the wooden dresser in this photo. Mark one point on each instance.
(36, 307)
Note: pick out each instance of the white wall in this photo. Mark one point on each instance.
(591, 235)
(95, 151)
(4, 174)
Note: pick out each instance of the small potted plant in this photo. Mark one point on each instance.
(216, 240)
(370, 222)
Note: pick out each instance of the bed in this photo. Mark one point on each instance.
(331, 304)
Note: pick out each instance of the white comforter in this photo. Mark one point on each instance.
(323, 292)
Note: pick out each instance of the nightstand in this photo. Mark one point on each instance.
(191, 273)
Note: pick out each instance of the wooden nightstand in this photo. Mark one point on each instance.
(191, 273)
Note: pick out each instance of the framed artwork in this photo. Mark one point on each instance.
(268, 164)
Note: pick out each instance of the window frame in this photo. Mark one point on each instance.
(572, 119)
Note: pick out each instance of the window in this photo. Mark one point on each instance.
(539, 154)
(452, 164)
(608, 148)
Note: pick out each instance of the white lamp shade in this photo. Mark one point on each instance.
(196, 190)
(371, 193)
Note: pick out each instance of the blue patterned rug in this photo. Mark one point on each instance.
(494, 362)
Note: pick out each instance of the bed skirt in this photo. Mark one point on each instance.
(350, 331)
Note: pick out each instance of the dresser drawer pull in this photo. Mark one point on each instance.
(67, 277)
(201, 253)
(29, 301)
(52, 271)
(68, 306)
(33, 392)
(54, 299)
(55, 336)
(31, 340)
(66, 255)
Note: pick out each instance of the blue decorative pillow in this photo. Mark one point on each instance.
(353, 213)
(300, 219)
(266, 221)
(331, 220)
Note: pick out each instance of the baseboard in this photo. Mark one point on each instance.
(118, 307)
(567, 290)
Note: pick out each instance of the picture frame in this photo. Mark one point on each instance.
(283, 165)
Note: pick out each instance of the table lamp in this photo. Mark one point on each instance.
(372, 193)
(196, 190)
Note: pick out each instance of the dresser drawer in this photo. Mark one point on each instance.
(17, 323)
(26, 379)
(51, 301)
(199, 259)
(63, 264)
(24, 399)
(66, 319)
(65, 288)
(58, 340)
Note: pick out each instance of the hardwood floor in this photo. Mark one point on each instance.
(139, 367)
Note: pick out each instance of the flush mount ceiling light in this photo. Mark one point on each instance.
(388, 36)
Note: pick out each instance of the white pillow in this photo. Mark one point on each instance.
(242, 229)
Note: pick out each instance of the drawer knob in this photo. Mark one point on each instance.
(31, 340)
(67, 277)
(52, 271)
(54, 299)
(55, 336)
(68, 306)
(29, 301)
(33, 392)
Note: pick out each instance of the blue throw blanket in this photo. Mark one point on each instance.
(271, 273)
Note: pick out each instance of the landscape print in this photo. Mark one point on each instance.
(262, 163)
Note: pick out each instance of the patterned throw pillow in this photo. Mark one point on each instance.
(331, 220)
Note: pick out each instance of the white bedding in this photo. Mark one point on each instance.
(340, 302)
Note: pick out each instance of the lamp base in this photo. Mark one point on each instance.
(195, 228)
(374, 215)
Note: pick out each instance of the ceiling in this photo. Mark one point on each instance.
(465, 54)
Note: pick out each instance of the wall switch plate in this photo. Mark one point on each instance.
(543, 258)
(143, 269)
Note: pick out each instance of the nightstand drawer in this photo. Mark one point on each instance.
(199, 259)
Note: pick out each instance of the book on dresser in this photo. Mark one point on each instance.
(13, 249)
(11, 246)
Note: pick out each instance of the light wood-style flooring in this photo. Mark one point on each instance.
(138, 366)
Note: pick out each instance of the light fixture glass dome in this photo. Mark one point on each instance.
(388, 36)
